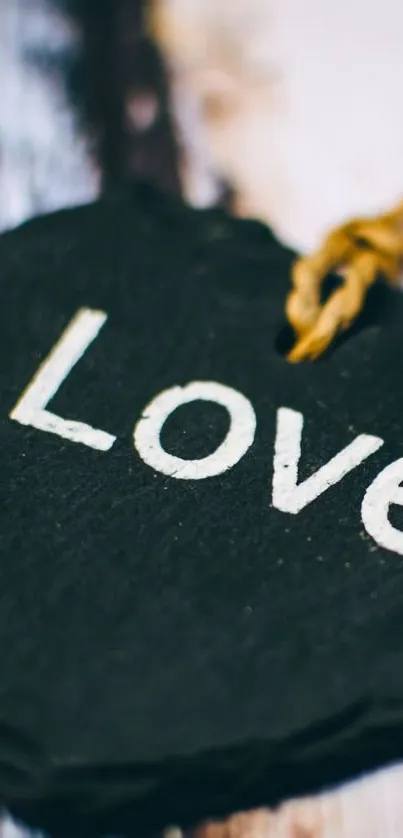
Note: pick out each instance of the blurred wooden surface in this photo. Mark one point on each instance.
(120, 74)
(368, 808)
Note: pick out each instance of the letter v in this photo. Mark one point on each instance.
(287, 495)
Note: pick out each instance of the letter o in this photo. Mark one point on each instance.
(239, 438)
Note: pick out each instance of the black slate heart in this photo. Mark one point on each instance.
(176, 640)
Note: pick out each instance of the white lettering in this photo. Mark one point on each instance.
(384, 491)
(287, 495)
(30, 409)
(239, 437)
